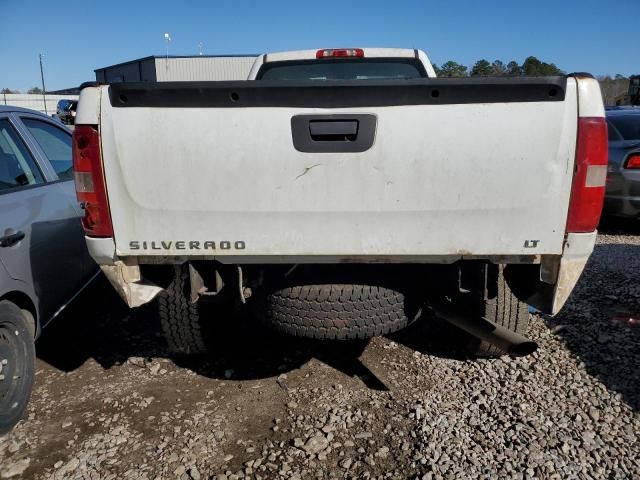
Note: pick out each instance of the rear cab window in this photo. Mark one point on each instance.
(343, 69)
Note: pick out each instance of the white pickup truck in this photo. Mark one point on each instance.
(341, 192)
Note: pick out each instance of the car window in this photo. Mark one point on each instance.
(17, 166)
(56, 145)
(628, 126)
(614, 136)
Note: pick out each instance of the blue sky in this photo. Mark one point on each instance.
(77, 37)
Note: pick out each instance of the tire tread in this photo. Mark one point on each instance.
(505, 310)
(180, 319)
(335, 311)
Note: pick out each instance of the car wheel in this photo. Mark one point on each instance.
(506, 310)
(180, 319)
(17, 364)
(496, 302)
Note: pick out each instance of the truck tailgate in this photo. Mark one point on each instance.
(478, 169)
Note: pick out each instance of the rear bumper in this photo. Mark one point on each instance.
(126, 279)
(561, 272)
(102, 250)
(577, 250)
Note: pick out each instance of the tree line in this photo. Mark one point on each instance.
(614, 89)
(32, 90)
(531, 67)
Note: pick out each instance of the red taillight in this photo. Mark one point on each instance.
(90, 188)
(340, 52)
(590, 175)
(633, 162)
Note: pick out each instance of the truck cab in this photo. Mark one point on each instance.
(343, 64)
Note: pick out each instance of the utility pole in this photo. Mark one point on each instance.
(44, 90)
(167, 39)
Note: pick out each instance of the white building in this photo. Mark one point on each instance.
(35, 101)
(148, 69)
(178, 69)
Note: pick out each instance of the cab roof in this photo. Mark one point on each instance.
(12, 108)
(368, 53)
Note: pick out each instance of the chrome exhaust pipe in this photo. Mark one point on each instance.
(511, 342)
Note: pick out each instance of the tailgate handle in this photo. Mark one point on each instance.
(333, 130)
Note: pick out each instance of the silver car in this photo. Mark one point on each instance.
(622, 198)
(43, 258)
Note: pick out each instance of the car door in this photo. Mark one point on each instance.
(39, 238)
(54, 143)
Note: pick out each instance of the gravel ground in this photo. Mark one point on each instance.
(109, 403)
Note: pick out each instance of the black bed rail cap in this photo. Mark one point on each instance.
(337, 94)
(580, 75)
(89, 84)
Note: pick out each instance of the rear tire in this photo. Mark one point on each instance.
(17, 365)
(502, 307)
(180, 319)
